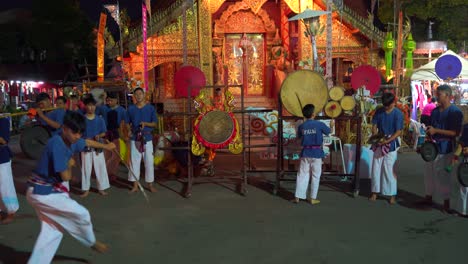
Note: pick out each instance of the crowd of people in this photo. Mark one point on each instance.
(91, 130)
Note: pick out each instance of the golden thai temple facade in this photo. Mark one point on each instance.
(209, 34)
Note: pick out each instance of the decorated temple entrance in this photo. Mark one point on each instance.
(255, 62)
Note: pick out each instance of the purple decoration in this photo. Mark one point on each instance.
(448, 67)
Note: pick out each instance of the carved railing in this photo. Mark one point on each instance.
(159, 20)
(363, 24)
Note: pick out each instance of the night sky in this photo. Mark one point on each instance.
(92, 8)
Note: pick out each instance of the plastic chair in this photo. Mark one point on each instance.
(328, 140)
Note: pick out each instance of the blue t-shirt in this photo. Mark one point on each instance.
(57, 115)
(101, 110)
(94, 127)
(449, 119)
(311, 132)
(54, 158)
(389, 123)
(115, 116)
(5, 152)
(145, 114)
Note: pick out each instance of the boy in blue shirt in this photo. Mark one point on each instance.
(311, 134)
(116, 116)
(142, 117)
(95, 130)
(388, 121)
(52, 120)
(49, 197)
(446, 124)
(8, 199)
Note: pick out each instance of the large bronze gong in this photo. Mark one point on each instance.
(215, 129)
(303, 87)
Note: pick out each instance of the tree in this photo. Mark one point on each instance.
(61, 28)
(449, 19)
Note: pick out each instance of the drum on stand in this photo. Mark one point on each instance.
(348, 103)
(336, 93)
(33, 141)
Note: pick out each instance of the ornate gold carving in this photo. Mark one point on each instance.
(238, 17)
(341, 35)
(215, 5)
(205, 40)
(294, 5)
(255, 5)
(197, 148)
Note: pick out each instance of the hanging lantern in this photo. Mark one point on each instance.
(388, 46)
(409, 46)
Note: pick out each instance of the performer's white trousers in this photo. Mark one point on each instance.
(148, 159)
(383, 179)
(57, 213)
(87, 161)
(8, 199)
(307, 168)
(459, 194)
(436, 179)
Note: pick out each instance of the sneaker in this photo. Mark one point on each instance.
(314, 201)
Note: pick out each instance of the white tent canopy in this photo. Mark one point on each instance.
(427, 72)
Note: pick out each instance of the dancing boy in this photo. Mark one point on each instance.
(50, 198)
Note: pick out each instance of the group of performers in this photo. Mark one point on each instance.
(444, 127)
(79, 130)
(90, 128)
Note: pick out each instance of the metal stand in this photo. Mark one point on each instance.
(190, 114)
(280, 170)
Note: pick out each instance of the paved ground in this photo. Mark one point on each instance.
(217, 225)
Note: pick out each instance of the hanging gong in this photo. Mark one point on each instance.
(333, 109)
(348, 103)
(303, 87)
(336, 93)
(429, 151)
(33, 140)
(215, 129)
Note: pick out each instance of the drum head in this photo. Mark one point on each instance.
(33, 140)
(348, 103)
(215, 129)
(333, 109)
(303, 87)
(336, 93)
(429, 151)
(463, 174)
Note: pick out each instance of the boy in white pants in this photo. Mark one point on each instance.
(388, 121)
(49, 197)
(446, 125)
(142, 117)
(311, 134)
(8, 199)
(95, 129)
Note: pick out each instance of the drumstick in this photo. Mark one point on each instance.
(299, 100)
(131, 172)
